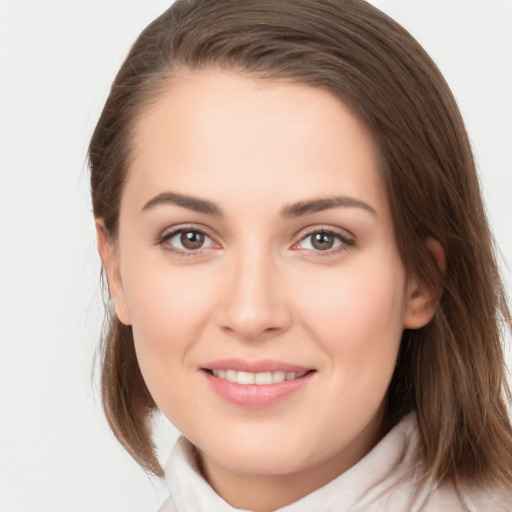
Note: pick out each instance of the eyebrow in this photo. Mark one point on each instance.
(293, 210)
(189, 202)
(324, 203)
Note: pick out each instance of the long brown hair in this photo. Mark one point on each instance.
(452, 371)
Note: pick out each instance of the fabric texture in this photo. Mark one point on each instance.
(384, 480)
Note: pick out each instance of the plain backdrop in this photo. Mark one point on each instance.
(57, 60)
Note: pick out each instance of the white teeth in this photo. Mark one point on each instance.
(261, 379)
(245, 378)
(231, 375)
(278, 376)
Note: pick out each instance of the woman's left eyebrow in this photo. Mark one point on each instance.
(324, 203)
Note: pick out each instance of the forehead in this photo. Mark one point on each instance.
(219, 133)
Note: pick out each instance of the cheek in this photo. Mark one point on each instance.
(358, 315)
(168, 308)
(165, 299)
(168, 311)
(358, 325)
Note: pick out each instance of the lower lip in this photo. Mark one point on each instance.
(253, 395)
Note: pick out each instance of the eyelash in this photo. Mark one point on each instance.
(184, 253)
(344, 241)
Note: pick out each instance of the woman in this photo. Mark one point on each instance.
(291, 225)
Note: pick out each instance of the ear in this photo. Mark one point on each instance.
(422, 299)
(110, 261)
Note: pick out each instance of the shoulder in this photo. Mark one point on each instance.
(487, 498)
(468, 499)
(406, 493)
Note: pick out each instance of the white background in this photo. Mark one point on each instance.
(57, 60)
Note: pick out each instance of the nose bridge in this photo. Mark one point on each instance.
(255, 302)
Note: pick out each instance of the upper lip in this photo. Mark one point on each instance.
(258, 366)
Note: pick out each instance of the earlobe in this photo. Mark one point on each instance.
(110, 262)
(421, 298)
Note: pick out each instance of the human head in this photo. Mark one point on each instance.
(375, 68)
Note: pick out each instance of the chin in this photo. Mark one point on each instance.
(262, 462)
(263, 455)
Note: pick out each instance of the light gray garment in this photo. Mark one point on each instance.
(384, 480)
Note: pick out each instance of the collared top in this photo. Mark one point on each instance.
(386, 479)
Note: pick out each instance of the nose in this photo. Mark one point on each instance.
(255, 303)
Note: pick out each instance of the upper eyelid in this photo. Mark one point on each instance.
(173, 230)
(321, 228)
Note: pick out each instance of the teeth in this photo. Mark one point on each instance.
(245, 378)
(261, 379)
(279, 376)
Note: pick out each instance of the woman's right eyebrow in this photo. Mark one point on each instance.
(195, 204)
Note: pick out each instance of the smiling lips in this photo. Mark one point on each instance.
(255, 384)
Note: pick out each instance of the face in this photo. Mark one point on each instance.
(256, 262)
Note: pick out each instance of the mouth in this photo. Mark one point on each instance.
(256, 384)
(258, 379)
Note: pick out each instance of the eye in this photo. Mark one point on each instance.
(324, 241)
(186, 240)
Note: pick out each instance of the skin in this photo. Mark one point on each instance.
(258, 288)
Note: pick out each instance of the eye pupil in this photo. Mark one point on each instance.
(192, 240)
(322, 241)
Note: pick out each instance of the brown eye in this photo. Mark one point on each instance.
(192, 240)
(186, 241)
(323, 241)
